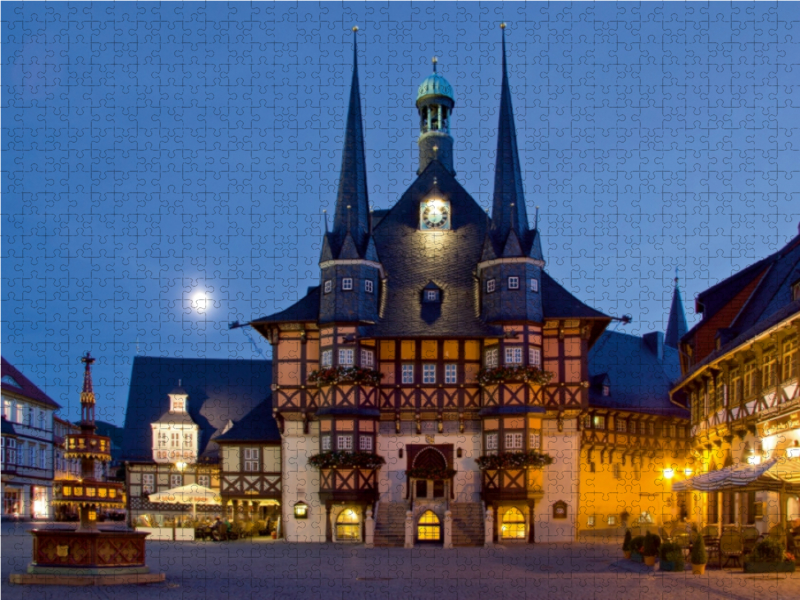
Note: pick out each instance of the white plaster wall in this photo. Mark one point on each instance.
(560, 482)
(392, 485)
(301, 484)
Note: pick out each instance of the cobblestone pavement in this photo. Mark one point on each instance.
(265, 569)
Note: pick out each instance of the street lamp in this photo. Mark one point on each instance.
(669, 473)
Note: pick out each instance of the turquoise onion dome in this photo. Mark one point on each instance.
(435, 85)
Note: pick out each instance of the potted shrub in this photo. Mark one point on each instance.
(699, 556)
(637, 549)
(650, 550)
(671, 556)
(626, 544)
(770, 556)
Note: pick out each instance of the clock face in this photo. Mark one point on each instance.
(435, 214)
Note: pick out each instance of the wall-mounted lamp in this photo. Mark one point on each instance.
(301, 510)
(669, 473)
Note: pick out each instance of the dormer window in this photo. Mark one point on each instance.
(347, 284)
(431, 295)
(534, 284)
(513, 283)
(606, 390)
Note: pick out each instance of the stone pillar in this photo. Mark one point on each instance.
(369, 529)
(448, 529)
(488, 533)
(409, 529)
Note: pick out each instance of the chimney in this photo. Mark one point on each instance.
(655, 343)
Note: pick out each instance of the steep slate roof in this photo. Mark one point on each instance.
(638, 380)
(258, 425)
(305, 309)
(219, 391)
(412, 258)
(26, 387)
(558, 303)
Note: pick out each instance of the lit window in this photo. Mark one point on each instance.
(327, 359)
(347, 526)
(535, 357)
(408, 374)
(789, 354)
(590, 521)
(175, 440)
(368, 286)
(347, 283)
(534, 285)
(514, 356)
(451, 373)
(428, 373)
(365, 443)
(622, 427)
(163, 439)
(188, 440)
(513, 283)
(535, 441)
(148, 483)
(429, 527)
(7, 410)
(491, 443)
(513, 441)
(749, 379)
(490, 285)
(346, 357)
(344, 442)
(178, 405)
(367, 359)
(251, 460)
(175, 480)
(328, 286)
(20, 412)
(491, 358)
(204, 480)
(612, 520)
(599, 422)
(326, 443)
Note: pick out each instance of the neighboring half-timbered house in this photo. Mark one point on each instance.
(177, 408)
(740, 367)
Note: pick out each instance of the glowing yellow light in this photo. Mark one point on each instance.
(669, 473)
(793, 451)
(688, 472)
(180, 465)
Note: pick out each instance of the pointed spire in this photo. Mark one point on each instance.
(676, 326)
(352, 204)
(508, 206)
(87, 395)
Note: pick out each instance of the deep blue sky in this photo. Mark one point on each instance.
(151, 151)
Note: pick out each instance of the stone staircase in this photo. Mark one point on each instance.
(468, 523)
(390, 524)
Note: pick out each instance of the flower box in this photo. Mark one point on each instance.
(768, 567)
(346, 460)
(513, 460)
(519, 374)
(354, 375)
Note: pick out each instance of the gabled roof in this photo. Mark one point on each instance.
(411, 258)
(25, 387)
(219, 390)
(305, 309)
(258, 425)
(775, 276)
(638, 380)
(558, 303)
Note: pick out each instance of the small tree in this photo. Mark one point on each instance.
(626, 544)
(650, 546)
(699, 556)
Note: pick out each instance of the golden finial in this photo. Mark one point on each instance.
(355, 28)
(502, 25)
(434, 61)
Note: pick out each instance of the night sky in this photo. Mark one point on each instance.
(158, 154)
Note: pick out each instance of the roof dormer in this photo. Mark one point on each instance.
(178, 399)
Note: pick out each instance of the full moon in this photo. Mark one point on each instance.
(200, 301)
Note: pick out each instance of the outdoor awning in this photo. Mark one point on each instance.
(774, 475)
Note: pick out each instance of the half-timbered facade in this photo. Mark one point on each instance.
(436, 338)
(740, 368)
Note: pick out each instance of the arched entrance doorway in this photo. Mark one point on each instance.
(429, 461)
(348, 526)
(513, 525)
(429, 527)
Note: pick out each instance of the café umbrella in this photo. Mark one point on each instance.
(193, 494)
